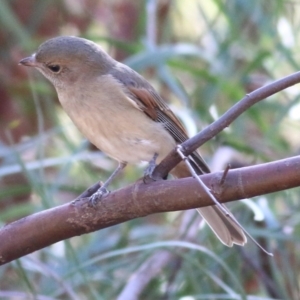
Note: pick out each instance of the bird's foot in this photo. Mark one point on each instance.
(149, 170)
(96, 197)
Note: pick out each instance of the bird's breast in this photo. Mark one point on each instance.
(113, 124)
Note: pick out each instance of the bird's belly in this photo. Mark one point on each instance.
(129, 149)
(129, 136)
(133, 145)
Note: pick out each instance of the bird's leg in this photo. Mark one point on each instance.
(103, 189)
(149, 170)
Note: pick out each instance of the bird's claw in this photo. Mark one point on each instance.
(148, 175)
(149, 171)
(96, 197)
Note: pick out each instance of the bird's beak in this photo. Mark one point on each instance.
(29, 61)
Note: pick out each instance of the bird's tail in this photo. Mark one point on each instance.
(224, 227)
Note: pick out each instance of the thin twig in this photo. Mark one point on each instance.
(228, 167)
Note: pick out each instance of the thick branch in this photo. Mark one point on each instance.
(162, 170)
(50, 226)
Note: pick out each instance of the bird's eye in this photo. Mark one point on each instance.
(54, 68)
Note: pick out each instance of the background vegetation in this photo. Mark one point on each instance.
(202, 56)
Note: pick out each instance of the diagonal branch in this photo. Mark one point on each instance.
(189, 146)
(138, 200)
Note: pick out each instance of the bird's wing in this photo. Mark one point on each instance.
(147, 100)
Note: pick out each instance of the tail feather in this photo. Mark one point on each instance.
(226, 230)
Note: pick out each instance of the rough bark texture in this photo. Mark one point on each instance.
(137, 200)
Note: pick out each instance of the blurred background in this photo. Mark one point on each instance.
(202, 57)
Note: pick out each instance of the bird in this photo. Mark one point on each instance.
(121, 113)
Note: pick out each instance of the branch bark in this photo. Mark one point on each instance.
(138, 200)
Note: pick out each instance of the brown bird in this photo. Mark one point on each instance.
(119, 112)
